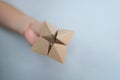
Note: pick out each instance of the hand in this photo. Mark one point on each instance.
(32, 32)
(15, 20)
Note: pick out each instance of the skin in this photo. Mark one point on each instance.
(12, 18)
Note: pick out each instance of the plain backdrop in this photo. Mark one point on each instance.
(93, 54)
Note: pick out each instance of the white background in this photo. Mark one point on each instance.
(93, 54)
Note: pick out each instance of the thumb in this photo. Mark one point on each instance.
(31, 36)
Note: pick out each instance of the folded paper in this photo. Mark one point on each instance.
(53, 42)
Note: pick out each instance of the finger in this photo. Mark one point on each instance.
(31, 36)
(36, 27)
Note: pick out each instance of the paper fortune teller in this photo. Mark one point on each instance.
(53, 42)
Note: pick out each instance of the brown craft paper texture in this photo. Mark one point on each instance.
(53, 42)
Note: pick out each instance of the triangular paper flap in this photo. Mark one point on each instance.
(58, 52)
(41, 46)
(64, 36)
(48, 30)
